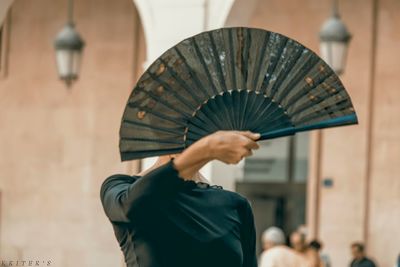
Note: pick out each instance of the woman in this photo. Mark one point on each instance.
(167, 217)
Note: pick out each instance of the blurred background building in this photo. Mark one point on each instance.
(57, 145)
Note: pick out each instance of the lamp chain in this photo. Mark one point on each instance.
(70, 12)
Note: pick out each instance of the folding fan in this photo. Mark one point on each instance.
(231, 79)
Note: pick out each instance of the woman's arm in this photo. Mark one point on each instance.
(124, 197)
(227, 146)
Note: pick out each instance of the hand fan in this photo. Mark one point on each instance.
(231, 79)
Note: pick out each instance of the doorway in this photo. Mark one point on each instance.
(274, 181)
(275, 204)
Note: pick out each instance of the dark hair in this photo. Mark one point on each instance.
(315, 244)
(359, 246)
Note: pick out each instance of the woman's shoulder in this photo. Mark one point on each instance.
(238, 199)
(120, 177)
(116, 179)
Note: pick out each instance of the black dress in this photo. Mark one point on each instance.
(162, 220)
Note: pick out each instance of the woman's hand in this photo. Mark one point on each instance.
(227, 146)
(232, 146)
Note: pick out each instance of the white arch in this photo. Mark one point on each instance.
(166, 22)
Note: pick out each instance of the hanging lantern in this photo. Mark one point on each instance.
(334, 41)
(68, 45)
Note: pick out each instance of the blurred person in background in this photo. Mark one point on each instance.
(359, 257)
(315, 256)
(298, 242)
(276, 253)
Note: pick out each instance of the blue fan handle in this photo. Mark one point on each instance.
(340, 121)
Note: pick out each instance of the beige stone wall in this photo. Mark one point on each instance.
(58, 145)
(384, 212)
(364, 203)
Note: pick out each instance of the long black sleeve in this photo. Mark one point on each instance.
(248, 237)
(124, 196)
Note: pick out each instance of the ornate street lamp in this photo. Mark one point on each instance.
(334, 41)
(68, 45)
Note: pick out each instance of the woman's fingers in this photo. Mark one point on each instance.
(237, 156)
(250, 135)
(249, 143)
(252, 145)
(244, 153)
(232, 146)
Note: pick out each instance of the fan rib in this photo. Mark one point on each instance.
(192, 136)
(306, 67)
(210, 112)
(169, 89)
(272, 65)
(240, 57)
(220, 72)
(231, 110)
(181, 82)
(197, 129)
(260, 107)
(162, 141)
(151, 127)
(281, 125)
(219, 100)
(139, 154)
(232, 56)
(252, 100)
(304, 89)
(245, 55)
(205, 68)
(284, 73)
(271, 106)
(280, 61)
(192, 74)
(260, 60)
(272, 113)
(243, 96)
(160, 100)
(278, 121)
(276, 115)
(235, 107)
(165, 117)
(307, 105)
(203, 122)
(328, 110)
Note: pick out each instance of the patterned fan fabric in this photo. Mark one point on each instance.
(231, 79)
